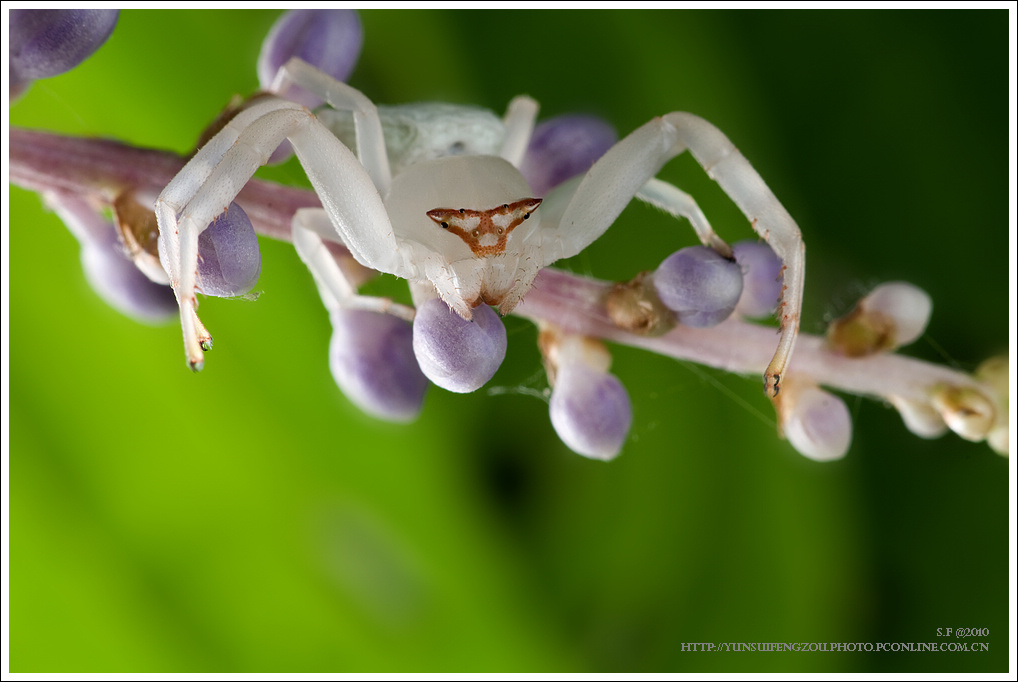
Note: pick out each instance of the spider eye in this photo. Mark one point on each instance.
(445, 225)
(526, 215)
(463, 210)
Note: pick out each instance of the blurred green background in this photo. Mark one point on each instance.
(249, 519)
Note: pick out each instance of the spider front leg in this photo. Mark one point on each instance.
(626, 171)
(215, 175)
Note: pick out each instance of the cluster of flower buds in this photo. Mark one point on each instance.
(698, 287)
(891, 315)
(121, 263)
(377, 362)
(589, 407)
(383, 363)
(895, 314)
(120, 258)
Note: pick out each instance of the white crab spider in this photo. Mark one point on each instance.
(416, 166)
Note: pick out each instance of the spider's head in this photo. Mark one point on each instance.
(481, 245)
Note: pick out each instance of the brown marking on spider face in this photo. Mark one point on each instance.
(485, 232)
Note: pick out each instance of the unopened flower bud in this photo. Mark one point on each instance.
(965, 410)
(700, 285)
(229, 260)
(892, 315)
(761, 278)
(123, 286)
(999, 439)
(109, 271)
(456, 354)
(994, 374)
(563, 147)
(590, 410)
(372, 359)
(815, 422)
(635, 307)
(920, 418)
(48, 42)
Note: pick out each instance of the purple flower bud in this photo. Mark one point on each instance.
(229, 261)
(563, 147)
(108, 269)
(372, 359)
(701, 286)
(761, 278)
(122, 285)
(816, 423)
(328, 39)
(456, 354)
(590, 411)
(46, 43)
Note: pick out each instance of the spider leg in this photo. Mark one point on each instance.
(527, 270)
(367, 125)
(201, 165)
(657, 193)
(673, 200)
(337, 289)
(519, 126)
(206, 185)
(625, 171)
